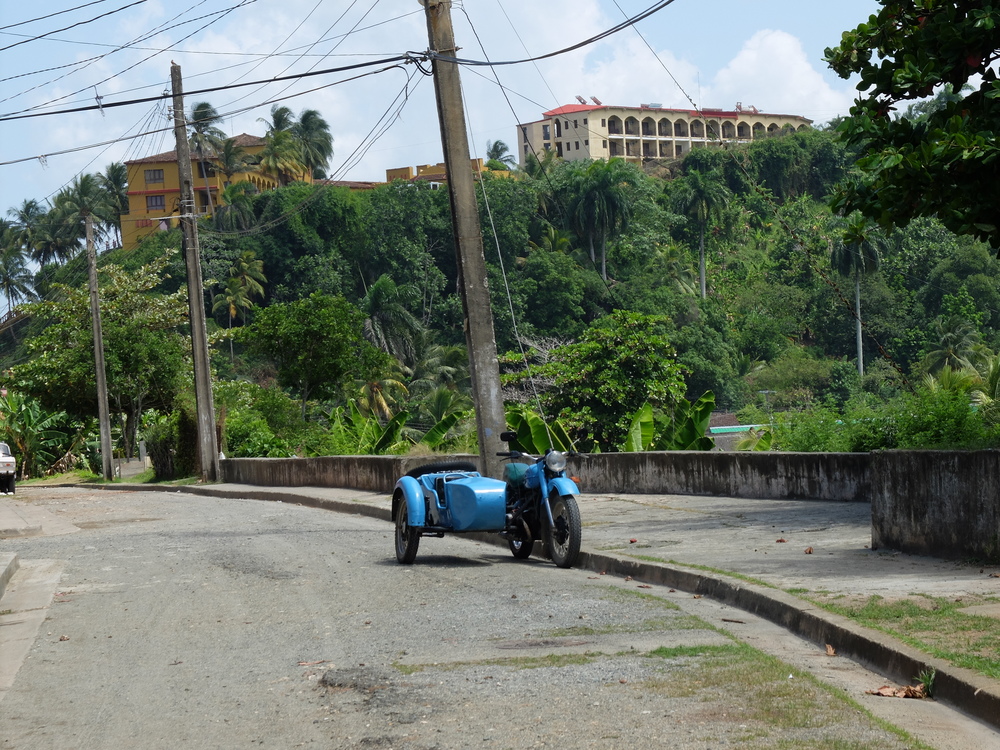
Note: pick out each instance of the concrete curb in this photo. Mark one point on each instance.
(8, 567)
(963, 689)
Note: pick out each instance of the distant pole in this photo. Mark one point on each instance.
(472, 283)
(208, 450)
(102, 381)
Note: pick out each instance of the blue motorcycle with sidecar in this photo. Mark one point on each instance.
(534, 503)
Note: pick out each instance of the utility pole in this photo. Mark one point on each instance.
(472, 283)
(208, 450)
(102, 380)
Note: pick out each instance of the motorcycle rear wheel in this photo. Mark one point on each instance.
(563, 536)
(407, 538)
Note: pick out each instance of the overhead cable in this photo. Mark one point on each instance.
(73, 26)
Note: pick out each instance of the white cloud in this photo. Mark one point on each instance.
(773, 73)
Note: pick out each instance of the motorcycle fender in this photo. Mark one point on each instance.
(408, 491)
(563, 486)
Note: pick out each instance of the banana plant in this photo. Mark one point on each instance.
(533, 435)
(684, 430)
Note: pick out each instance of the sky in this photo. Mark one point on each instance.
(692, 53)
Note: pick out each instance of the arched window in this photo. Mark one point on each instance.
(665, 129)
(648, 126)
(615, 125)
(758, 130)
(743, 131)
(697, 129)
(631, 126)
(681, 129)
(728, 131)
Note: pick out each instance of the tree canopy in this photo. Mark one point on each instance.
(944, 162)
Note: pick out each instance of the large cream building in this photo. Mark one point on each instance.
(644, 133)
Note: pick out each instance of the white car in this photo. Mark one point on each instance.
(8, 468)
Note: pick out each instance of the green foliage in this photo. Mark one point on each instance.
(943, 163)
(685, 428)
(31, 433)
(315, 344)
(621, 362)
(534, 434)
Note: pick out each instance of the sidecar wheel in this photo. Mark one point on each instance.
(563, 536)
(407, 538)
(521, 548)
(442, 466)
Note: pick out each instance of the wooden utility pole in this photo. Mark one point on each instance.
(102, 380)
(208, 449)
(472, 283)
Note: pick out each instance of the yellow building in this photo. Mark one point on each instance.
(154, 189)
(644, 133)
(436, 173)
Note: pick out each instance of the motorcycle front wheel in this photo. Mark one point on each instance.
(564, 534)
(407, 538)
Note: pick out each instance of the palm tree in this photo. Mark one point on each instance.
(956, 341)
(315, 142)
(114, 182)
(389, 324)
(26, 219)
(700, 196)
(234, 298)
(232, 159)
(601, 207)
(15, 276)
(377, 397)
(56, 239)
(282, 118)
(235, 211)
(856, 254)
(280, 157)
(206, 140)
(498, 151)
(248, 271)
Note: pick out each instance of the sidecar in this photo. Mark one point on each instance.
(447, 497)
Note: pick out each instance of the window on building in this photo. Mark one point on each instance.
(584, 120)
(153, 176)
(558, 149)
(546, 133)
(156, 203)
(567, 124)
(576, 145)
(604, 123)
(558, 128)
(604, 144)
(586, 143)
(574, 124)
(205, 169)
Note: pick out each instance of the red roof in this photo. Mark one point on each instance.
(243, 140)
(569, 109)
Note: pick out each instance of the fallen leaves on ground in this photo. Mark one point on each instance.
(906, 691)
(830, 650)
(780, 541)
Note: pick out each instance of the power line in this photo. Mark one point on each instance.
(72, 26)
(50, 15)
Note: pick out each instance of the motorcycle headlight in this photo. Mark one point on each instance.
(555, 461)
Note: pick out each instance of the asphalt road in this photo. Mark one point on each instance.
(166, 620)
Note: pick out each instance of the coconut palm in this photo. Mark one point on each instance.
(700, 196)
(233, 299)
(315, 142)
(281, 157)
(282, 119)
(235, 212)
(15, 276)
(956, 340)
(114, 182)
(25, 220)
(206, 140)
(248, 271)
(56, 239)
(601, 203)
(389, 324)
(498, 151)
(858, 253)
(232, 159)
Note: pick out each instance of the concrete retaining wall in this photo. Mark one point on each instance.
(807, 476)
(938, 503)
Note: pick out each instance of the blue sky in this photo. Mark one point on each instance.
(720, 52)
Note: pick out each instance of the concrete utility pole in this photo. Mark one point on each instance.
(208, 449)
(102, 380)
(472, 283)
